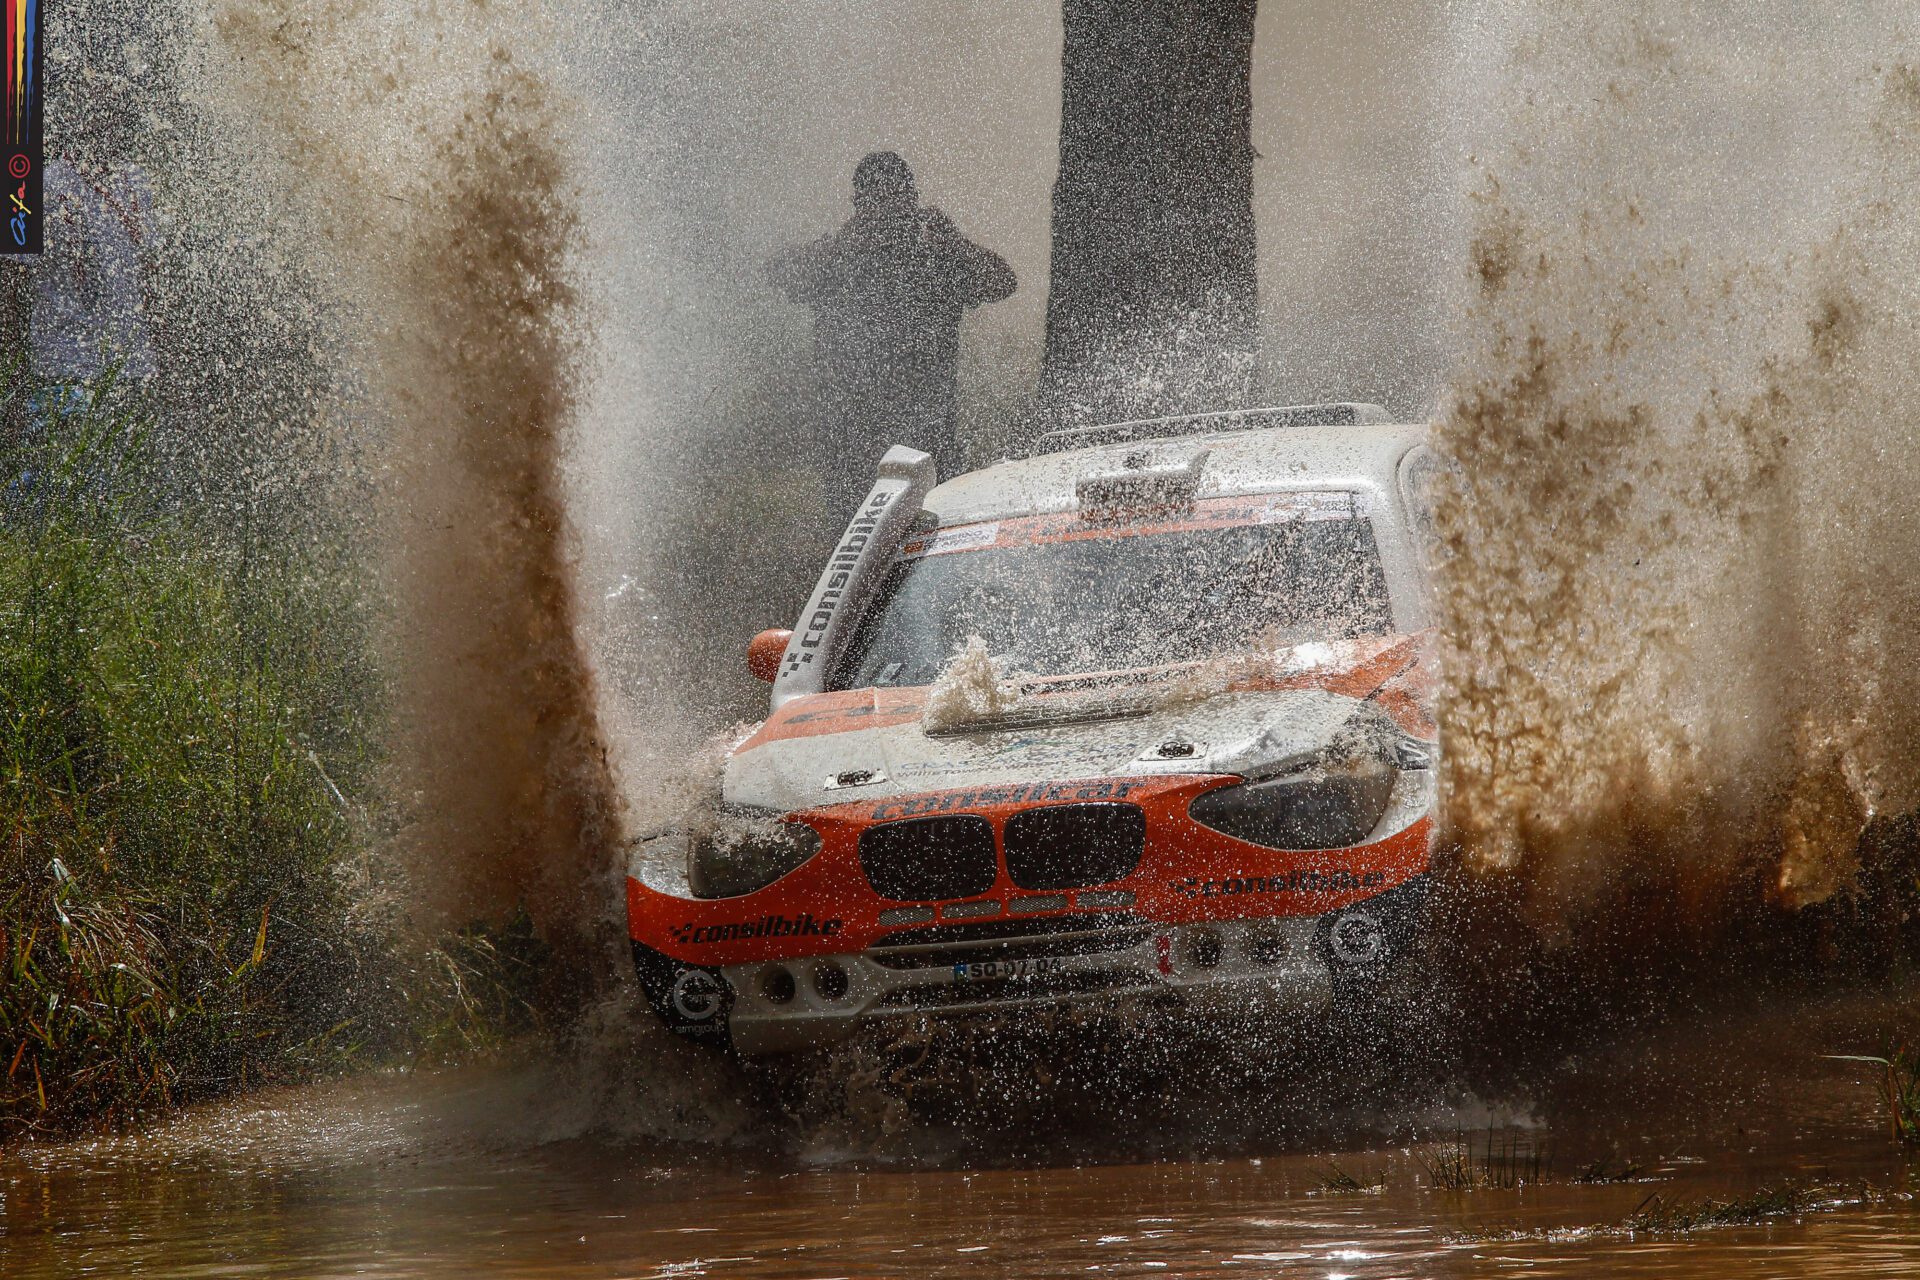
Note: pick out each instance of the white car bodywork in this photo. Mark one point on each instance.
(1070, 732)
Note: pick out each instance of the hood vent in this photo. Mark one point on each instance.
(1053, 709)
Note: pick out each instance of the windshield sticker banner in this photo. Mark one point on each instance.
(966, 537)
(22, 145)
(1334, 505)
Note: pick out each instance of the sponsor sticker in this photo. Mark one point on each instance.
(1339, 505)
(804, 926)
(966, 537)
(839, 576)
(1357, 938)
(1019, 793)
(1340, 880)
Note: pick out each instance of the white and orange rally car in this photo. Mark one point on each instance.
(1209, 783)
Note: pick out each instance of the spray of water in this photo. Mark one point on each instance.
(426, 148)
(1676, 595)
(1677, 602)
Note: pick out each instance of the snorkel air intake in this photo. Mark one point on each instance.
(881, 523)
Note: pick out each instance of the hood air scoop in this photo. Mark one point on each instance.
(1077, 701)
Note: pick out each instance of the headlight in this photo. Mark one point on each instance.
(1321, 806)
(733, 850)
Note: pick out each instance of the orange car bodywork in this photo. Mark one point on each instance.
(1189, 872)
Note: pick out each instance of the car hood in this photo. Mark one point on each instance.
(1248, 716)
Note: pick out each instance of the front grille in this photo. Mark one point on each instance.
(1074, 846)
(942, 955)
(992, 929)
(944, 945)
(994, 989)
(927, 859)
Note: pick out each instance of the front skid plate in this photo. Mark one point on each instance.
(1255, 966)
(1248, 966)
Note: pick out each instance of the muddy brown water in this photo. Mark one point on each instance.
(500, 1172)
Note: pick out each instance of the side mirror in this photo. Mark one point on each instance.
(764, 652)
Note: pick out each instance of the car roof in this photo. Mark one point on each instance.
(1237, 461)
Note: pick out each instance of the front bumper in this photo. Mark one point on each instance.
(1226, 969)
(1209, 966)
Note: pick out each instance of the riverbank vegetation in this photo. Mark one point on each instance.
(1505, 1164)
(1660, 1213)
(192, 830)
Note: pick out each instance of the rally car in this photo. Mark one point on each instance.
(1143, 716)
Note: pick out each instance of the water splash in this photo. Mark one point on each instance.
(1676, 595)
(425, 143)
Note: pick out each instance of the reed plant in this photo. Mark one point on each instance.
(1504, 1164)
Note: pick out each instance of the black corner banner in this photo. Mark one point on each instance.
(22, 143)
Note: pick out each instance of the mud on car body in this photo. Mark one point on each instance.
(1209, 784)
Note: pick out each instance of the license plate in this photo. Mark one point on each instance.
(1028, 968)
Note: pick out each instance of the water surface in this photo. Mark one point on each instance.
(474, 1173)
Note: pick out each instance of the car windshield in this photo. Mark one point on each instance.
(1126, 600)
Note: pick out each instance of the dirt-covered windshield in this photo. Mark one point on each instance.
(1106, 600)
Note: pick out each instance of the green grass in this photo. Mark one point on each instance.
(187, 737)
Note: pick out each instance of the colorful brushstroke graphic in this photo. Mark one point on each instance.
(22, 149)
(23, 24)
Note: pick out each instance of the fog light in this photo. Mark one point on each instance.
(1203, 949)
(830, 980)
(777, 986)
